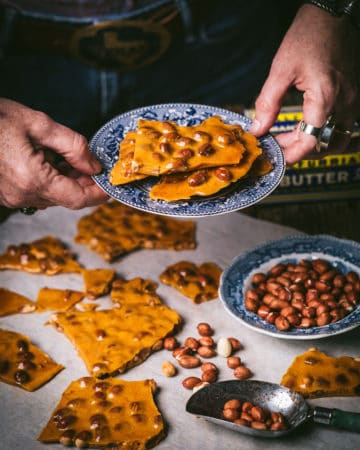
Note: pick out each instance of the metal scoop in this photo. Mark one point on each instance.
(208, 403)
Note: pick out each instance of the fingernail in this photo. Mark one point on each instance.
(96, 166)
(255, 126)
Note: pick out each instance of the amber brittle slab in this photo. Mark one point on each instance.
(166, 147)
(14, 303)
(205, 181)
(116, 414)
(122, 171)
(23, 364)
(315, 374)
(198, 282)
(57, 299)
(47, 255)
(114, 229)
(97, 282)
(113, 341)
(135, 291)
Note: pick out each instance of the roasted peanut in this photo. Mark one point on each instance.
(179, 352)
(263, 311)
(246, 407)
(282, 324)
(252, 304)
(168, 369)
(206, 150)
(258, 425)
(233, 362)
(231, 414)
(224, 347)
(189, 362)
(235, 343)
(277, 270)
(258, 414)
(208, 366)
(242, 422)
(171, 343)
(190, 382)
(233, 404)
(198, 178)
(204, 329)
(202, 136)
(246, 416)
(209, 375)
(323, 319)
(223, 174)
(242, 372)
(258, 278)
(271, 317)
(192, 343)
(206, 352)
(207, 341)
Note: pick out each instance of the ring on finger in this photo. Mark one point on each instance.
(323, 134)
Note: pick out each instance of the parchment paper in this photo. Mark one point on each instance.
(220, 239)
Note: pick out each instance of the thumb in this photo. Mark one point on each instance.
(64, 141)
(268, 104)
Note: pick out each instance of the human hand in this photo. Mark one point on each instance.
(30, 146)
(319, 55)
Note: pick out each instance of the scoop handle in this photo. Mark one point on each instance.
(337, 418)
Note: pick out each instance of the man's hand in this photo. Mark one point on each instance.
(320, 56)
(30, 172)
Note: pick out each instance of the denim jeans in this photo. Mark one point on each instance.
(225, 63)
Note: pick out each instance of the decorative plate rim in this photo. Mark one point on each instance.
(252, 321)
(231, 199)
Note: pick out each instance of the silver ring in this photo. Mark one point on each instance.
(310, 129)
(323, 134)
(28, 210)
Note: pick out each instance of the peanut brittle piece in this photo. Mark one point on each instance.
(261, 166)
(114, 229)
(86, 306)
(46, 255)
(57, 299)
(112, 341)
(135, 291)
(23, 364)
(200, 283)
(13, 303)
(115, 414)
(97, 282)
(204, 181)
(122, 171)
(165, 147)
(314, 374)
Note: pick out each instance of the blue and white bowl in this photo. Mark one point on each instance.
(236, 280)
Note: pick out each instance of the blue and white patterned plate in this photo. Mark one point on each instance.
(236, 279)
(105, 146)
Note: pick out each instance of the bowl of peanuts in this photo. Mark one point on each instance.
(299, 287)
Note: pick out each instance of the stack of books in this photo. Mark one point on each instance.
(333, 177)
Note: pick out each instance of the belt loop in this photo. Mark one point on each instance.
(7, 22)
(187, 19)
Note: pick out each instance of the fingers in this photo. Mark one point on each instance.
(73, 193)
(68, 143)
(268, 104)
(296, 146)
